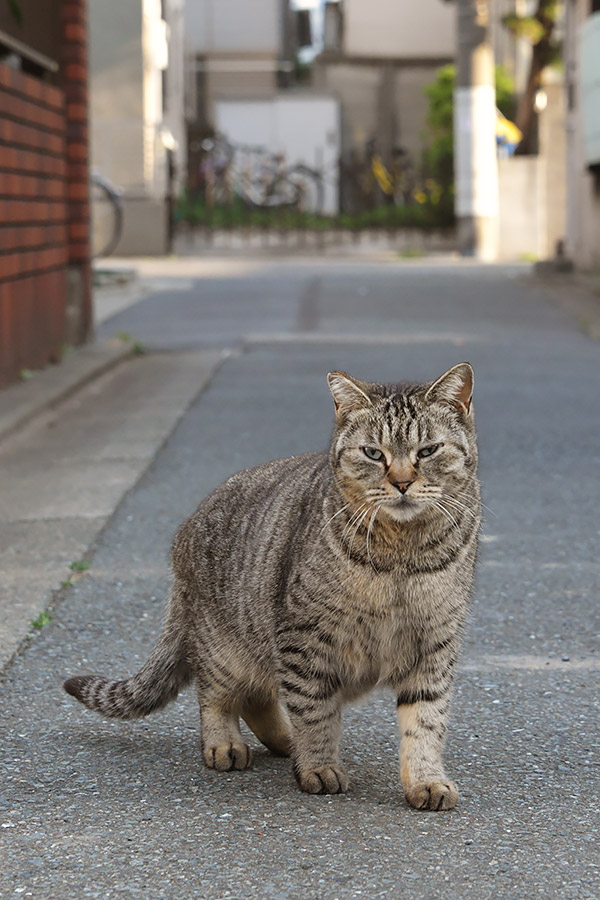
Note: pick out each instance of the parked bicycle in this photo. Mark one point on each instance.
(259, 177)
(398, 182)
(106, 215)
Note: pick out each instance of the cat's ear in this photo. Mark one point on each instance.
(454, 387)
(348, 393)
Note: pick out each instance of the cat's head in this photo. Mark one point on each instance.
(404, 449)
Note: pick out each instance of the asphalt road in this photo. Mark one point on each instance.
(95, 809)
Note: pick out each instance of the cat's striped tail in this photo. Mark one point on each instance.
(156, 684)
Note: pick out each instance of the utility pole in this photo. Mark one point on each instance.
(476, 166)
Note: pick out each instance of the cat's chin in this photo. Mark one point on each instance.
(402, 511)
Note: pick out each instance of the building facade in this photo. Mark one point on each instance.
(137, 113)
(243, 84)
(236, 50)
(378, 58)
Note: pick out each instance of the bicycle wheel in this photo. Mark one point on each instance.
(309, 187)
(106, 217)
(280, 193)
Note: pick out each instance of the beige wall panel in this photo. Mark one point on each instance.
(399, 28)
(411, 109)
(242, 26)
(356, 87)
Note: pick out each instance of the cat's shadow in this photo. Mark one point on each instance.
(170, 763)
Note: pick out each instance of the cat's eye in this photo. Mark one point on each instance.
(424, 452)
(373, 453)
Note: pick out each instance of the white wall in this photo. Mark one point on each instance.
(583, 227)
(399, 28)
(128, 47)
(239, 26)
(522, 208)
(117, 91)
(174, 114)
(305, 129)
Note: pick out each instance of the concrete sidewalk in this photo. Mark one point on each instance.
(73, 440)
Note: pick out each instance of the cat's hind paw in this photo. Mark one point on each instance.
(324, 780)
(225, 757)
(434, 795)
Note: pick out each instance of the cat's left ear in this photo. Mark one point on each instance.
(454, 387)
(348, 393)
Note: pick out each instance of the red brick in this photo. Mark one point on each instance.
(78, 231)
(76, 72)
(79, 252)
(10, 265)
(76, 53)
(73, 12)
(77, 133)
(78, 172)
(8, 238)
(78, 152)
(4, 76)
(79, 211)
(51, 95)
(77, 112)
(75, 31)
(77, 190)
(6, 130)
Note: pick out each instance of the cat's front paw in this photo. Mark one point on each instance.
(225, 757)
(324, 780)
(434, 795)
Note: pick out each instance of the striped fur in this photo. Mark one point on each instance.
(306, 582)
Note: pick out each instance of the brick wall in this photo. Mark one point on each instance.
(74, 70)
(33, 223)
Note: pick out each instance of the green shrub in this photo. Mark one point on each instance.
(438, 156)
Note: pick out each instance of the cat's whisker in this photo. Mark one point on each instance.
(328, 522)
(361, 520)
(483, 505)
(335, 515)
(377, 494)
(359, 523)
(445, 512)
(369, 557)
(458, 505)
(353, 518)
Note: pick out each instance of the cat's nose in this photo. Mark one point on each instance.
(402, 486)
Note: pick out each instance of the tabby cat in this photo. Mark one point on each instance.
(305, 582)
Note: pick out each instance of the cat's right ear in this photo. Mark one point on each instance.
(348, 393)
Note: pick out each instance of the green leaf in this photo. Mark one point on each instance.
(15, 8)
(528, 27)
(44, 618)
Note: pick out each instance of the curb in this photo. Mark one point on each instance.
(22, 402)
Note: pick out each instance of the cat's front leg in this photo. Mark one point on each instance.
(422, 724)
(316, 726)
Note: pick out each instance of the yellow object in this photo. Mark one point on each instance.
(507, 130)
(383, 177)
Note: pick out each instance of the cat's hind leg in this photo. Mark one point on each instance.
(223, 747)
(270, 724)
